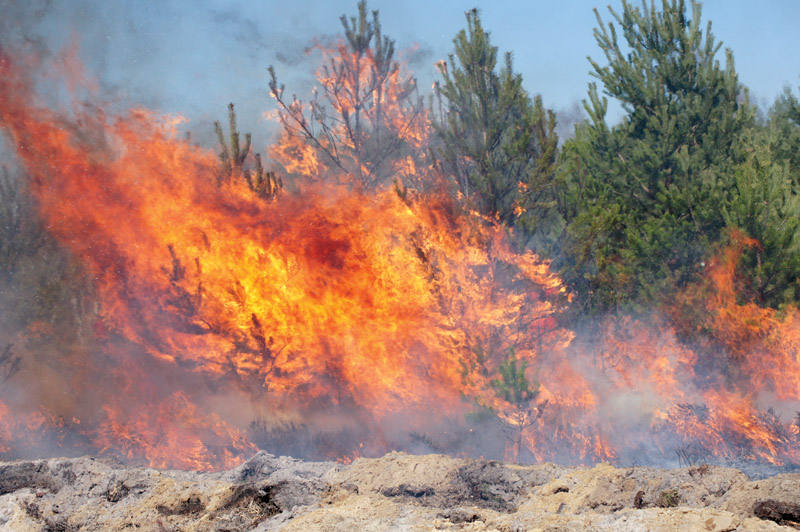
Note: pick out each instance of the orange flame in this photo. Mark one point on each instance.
(368, 125)
(325, 299)
(216, 308)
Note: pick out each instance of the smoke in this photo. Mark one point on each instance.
(164, 57)
(193, 62)
(567, 119)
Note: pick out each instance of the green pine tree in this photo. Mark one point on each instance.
(520, 394)
(643, 198)
(232, 157)
(496, 142)
(784, 123)
(764, 204)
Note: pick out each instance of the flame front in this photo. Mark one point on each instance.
(372, 312)
(322, 300)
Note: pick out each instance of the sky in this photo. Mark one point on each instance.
(193, 57)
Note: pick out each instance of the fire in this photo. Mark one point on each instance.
(327, 299)
(354, 308)
(194, 441)
(364, 126)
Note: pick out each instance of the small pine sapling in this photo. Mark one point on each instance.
(520, 395)
(233, 156)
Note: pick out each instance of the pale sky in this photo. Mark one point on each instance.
(193, 57)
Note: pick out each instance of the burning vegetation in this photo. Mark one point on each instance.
(402, 275)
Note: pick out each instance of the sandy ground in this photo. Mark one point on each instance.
(398, 492)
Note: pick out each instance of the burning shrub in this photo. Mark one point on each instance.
(515, 401)
(365, 125)
(363, 305)
(264, 184)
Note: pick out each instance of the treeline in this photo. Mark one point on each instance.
(630, 213)
(647, 201)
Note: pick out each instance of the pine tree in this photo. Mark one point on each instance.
(764, 205)
(643, 198)
(40, 280)
(9, 365)
(784, 123)
(233, 157)
(20, 232)
(497, 143)
(365, 119)
(520, 396)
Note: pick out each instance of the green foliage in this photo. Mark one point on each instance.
(784, 124)
(9, 365)
(512, 401)
(764, 205)
(20, 234)
(497, 143)
(642, 199)
(513, 386)
(233, 157)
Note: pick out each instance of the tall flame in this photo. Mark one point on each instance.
(326, 299)
(383, 313)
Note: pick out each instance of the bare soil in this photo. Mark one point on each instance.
(396, 492)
